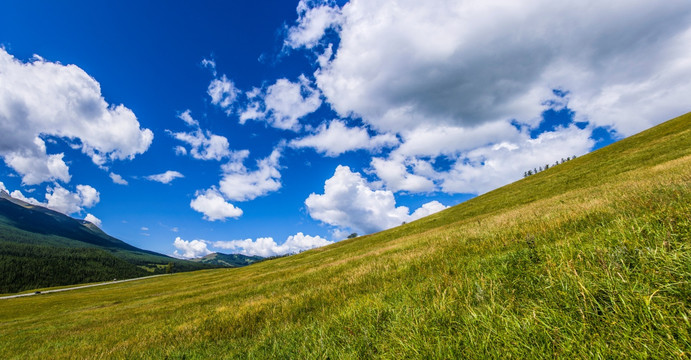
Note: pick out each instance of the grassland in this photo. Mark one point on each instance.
(589, 259)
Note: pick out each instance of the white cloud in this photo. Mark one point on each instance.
(2, 187)
(190, 249)
(166, 177)
(186, 116)
(489, 167)
(283, 103)
(88, 195)
(313, 21)
(240, 184)
(214, 207)
(66, 202)
(223, 93)
(92, 219)
(211, 64)
(18, 195)
(394, 173)
(144, 228)
(336, 138)
(62, 200)
(268, 247)
(204, 144)
(117, 179)
(427, 209)
(350, 202)
(401, 63)
(488, 164)
(41, 99)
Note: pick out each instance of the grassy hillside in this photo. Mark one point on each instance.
(40, 247)
(588, 259)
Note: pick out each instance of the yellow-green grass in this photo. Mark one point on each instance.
(589, 259)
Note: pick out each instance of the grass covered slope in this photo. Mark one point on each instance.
(589, 258)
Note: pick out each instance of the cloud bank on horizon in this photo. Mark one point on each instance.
(443, 97)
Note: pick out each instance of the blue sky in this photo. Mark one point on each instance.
(269, 127)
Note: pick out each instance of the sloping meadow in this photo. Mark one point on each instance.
(590, 258)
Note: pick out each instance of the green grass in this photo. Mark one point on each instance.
(589, 259)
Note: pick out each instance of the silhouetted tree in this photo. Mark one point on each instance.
(352, 236)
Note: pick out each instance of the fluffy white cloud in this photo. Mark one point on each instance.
(204, 144)
(350, 202)
(186, 116)
(88, 195)
(214, 207)
(394, 173)
(283, 103)
(2, 187)
(336, 138)
(268, 247)
(92, 219)
(432, 141)
(223, 92)
(401, 63)
(490, 163)
(490, 167)
(427, 209)
(165, 177)
(18, 195)
(313, 21)
(190, 249)
(67, 202)
(41, 99)
(117, 179)
(240, 184)
(62, 200)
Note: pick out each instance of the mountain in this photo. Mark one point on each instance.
(587, 259)
(228, 260)
(40, 247)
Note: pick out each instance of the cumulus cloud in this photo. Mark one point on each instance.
(117, 179)
(282, 104)
(2, 187)
(18, 195)
(490, 167)
(481, 158)
(190, 249)
(223, 92)
(394, 173)
(238, 183)
(268, 247)
(41, 99)
(166, 177)
(336, 138)
(445, 62)
(92, 219)
(427, 209)
(203, 144)
(62, 200)
(88, 195)
(314, 18)
(349, 201)
(241, 184)
(214, 207)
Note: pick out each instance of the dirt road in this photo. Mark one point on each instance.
(77, 287)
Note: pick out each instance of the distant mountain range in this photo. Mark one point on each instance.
(40, 247)
(228, 260)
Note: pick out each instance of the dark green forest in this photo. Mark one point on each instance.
(26, 266)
